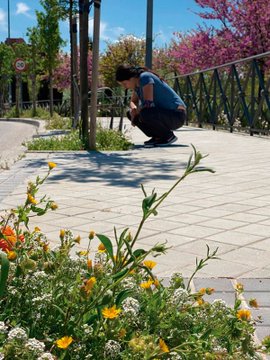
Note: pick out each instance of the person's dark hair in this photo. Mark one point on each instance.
(126, 72)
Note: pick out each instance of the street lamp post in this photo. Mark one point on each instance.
(94, 82)
(149, 34)
(9, 84)
(8, 20)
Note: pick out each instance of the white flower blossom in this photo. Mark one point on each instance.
(88, 329)
(130, 306)
(46, 356)
(35, 345)
(17, 334)
(180, 295)
(112, 349)
(3, 328)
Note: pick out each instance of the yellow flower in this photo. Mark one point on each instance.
(83, 253)
(239, 287)
(163, 346)
(156, 282)
(202, 291)
(54, 206)
(91, 235)
(37, 229)
(149, 264)
(64, 342)
(62, 233)
(253, 303)
(122, 333)
(243, 314)
(31, 199)
(111, 313)
(147, 284)
(200, 301)
(51, 165)
(11, 255)
(101, 248)
(77, 239)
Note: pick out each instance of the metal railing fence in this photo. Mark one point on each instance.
(232, 96)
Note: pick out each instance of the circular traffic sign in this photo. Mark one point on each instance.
(20, 65)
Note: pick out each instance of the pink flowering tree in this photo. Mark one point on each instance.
(244, 31)
(62, 74)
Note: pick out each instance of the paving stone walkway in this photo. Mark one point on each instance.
(229, 209)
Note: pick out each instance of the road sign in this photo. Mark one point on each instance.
(20, 65)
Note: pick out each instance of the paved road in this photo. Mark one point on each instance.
(12, 135)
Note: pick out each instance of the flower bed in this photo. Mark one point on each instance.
(107, 303)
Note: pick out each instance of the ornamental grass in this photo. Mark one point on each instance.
(107, 302)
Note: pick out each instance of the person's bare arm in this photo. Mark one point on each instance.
(134, 103)
(148, 93)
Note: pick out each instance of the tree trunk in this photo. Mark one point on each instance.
(70, 15)
(51, 92)
(17, 106)
(76, 95)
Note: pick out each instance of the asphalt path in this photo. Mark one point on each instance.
(12, 136)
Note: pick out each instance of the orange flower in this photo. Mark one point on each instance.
(64, 342)
(101, 248)
(89, 263)
(163, 346)
(9, 239)
(111, 313)
(90, 284)
(243, 314)
(253, 303)
(202, 291)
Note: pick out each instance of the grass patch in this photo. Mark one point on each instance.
(106, 140)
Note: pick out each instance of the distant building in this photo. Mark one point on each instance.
(11, 41)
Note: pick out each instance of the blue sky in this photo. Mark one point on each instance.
(118, 17)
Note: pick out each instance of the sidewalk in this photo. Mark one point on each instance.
(229, 209)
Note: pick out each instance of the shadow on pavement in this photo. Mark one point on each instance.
(115, 169)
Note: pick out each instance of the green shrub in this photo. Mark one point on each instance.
(66, 142)
(107, 140)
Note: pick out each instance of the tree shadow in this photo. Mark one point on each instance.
(121, 169)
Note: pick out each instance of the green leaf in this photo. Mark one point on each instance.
(148, 202)
(107, 243)
(122, 296)
(89, 319)
(120, 274)
(136, 253)
(4, 273)
(106, 299)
